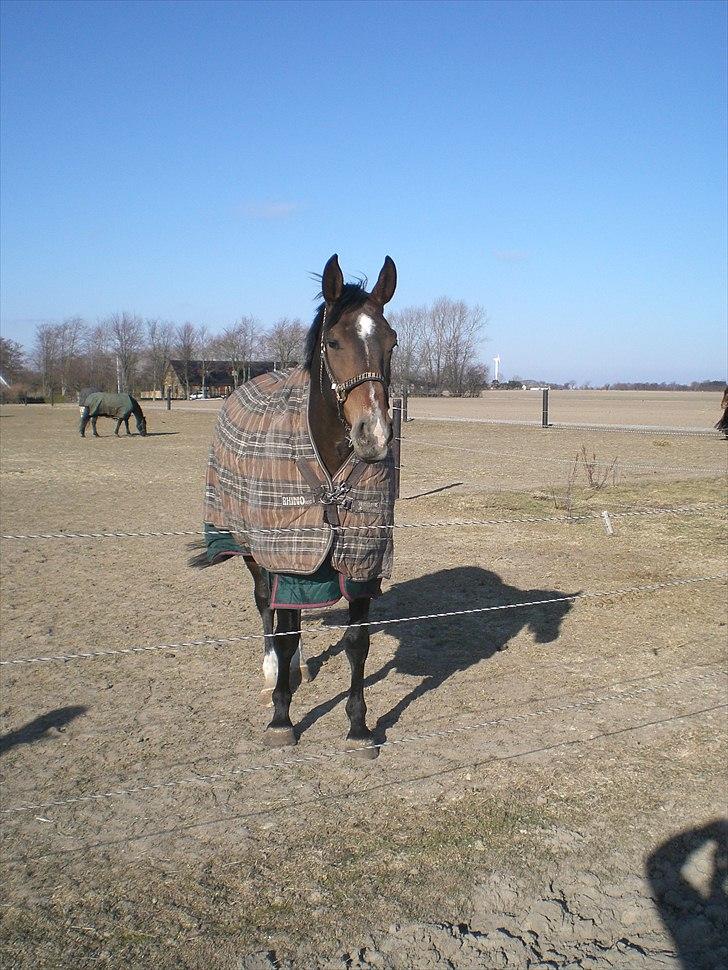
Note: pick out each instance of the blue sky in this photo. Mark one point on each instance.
(561, 164)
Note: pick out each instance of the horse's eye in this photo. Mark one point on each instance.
(334, 344)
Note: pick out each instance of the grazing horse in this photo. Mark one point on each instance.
(722, 425)
(301, 483)
(119, 406)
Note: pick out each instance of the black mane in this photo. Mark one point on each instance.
(353, 295)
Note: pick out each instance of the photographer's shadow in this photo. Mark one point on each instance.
(435, 649)
(696, 918)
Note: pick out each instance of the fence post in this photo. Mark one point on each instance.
(169, 398)
(396, 441)
(405, 396)
(52, 401)
(545, 408)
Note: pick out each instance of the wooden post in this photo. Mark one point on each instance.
(169, 397)
(405, 395)
(545, 408)
(52, 401)
(397, 441)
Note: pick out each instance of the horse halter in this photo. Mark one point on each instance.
(342, 388)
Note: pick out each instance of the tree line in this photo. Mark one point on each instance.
(132, 353)
(437, 350)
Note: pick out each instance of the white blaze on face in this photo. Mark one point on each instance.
(364, 326)
(379, 425)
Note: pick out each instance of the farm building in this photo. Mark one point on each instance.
(209, 378)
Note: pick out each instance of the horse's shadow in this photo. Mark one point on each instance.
(436, 648)
(38, 728)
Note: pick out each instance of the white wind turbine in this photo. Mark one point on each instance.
(496, 361)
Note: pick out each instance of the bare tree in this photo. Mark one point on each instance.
(237, 344)
(463, 328)
(98, 369)
(410, 325)
(439, 344)
(160, 340)
(126, 338)
(45, 355)
(285, 342)
(185, 348)
(434, 343)
(69, 338)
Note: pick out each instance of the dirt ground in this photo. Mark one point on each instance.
(551, 787)
(697, 410)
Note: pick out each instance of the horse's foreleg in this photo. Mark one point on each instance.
(356, 644)
(116, 429)
(93, 426)
(126, 424)
(297, 669)
(85, 418)
(280, 730)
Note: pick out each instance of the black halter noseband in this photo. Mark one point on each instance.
(341, 389)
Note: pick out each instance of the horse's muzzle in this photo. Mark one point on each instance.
(370, 438)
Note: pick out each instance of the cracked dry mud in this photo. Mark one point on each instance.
(552, 787)
(576, 922)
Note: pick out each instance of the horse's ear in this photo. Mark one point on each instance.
(332, 282)
(387, 282)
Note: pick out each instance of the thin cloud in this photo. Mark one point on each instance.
(510, 255)
(271, 211)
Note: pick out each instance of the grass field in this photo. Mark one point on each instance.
(536, 759)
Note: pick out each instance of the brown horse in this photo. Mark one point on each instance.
(343, 386)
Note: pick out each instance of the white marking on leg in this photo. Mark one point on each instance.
(270, 667)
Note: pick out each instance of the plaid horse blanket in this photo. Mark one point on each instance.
(267, 486)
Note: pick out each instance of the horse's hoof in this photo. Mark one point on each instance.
(279, 737)
(266, 697)
(364, 750)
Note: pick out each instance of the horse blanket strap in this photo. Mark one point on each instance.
(334, 495)
(267, 486)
